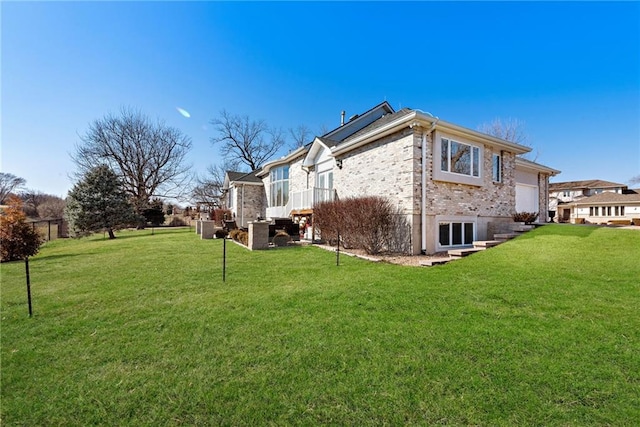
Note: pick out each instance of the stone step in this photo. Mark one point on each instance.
(486, 243)
(505, 236)
(435, 261)
(459, 253)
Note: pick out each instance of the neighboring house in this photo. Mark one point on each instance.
(452, 184)
(594, 202)
(244, 195)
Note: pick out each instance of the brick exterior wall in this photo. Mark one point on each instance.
(250, 205)
(392, 167)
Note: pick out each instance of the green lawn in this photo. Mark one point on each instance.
(542, 330)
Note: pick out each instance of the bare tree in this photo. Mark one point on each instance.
(148, 157)
(635, 180)
(512, 130)
(208, 189)
(52, 208)
(250, 142)
(9, 183)
(300, 136)
(32, 200)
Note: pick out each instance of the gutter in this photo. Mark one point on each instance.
(416, 117)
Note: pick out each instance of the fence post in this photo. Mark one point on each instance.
(26, 266)
(224, 259)
(338, 251)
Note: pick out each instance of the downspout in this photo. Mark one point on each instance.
(242, 207)
(423, 208)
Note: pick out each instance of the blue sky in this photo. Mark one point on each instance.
(570, 71)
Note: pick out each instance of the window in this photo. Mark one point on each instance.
(497, 167)
(590, 210)
(608, 210)
(566, 193)
(325, 179)
(617, 211)
(279, 186)
(621, 210)
(456, 233)
(460, 158)
(230, 204)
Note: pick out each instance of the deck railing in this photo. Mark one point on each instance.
(301, 200)
(305, 199)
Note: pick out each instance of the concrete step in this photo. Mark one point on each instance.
(505, 236)
(435, 261)
(486, 243)
(522, 227)
(459, 253)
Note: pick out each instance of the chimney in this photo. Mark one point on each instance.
(342, 117)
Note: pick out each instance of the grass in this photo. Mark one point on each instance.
(542, 330)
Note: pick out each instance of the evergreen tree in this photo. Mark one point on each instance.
(97, 203)
(154, 214)
(18, 239)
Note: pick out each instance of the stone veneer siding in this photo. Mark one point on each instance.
(543, 197)
(252, 206)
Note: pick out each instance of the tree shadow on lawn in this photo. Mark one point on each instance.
(40, 258)
(134, 233)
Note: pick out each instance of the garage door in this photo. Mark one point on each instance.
(526, 198)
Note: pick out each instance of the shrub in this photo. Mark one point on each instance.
(219, 215)
(18, 239)
(177, 222)
(281, 238)
(327, 220)
(369, 223)
(243, 237)
(221, 234)
(399, 236)
(234, 234)
(526, 217)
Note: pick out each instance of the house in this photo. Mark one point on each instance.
(593, 202)
(453, 185)
(244, 195)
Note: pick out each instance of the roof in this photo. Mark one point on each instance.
(244, 176)
(590, 183)
(522, 162)
(328, 142)
(631, 196)
(387, 118)
(383, 106)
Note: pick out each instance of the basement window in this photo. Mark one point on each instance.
(456, 233)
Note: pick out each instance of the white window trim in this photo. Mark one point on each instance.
(461, 219)
(448, 176)
(272, 183)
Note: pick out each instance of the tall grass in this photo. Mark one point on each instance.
(542, 330)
